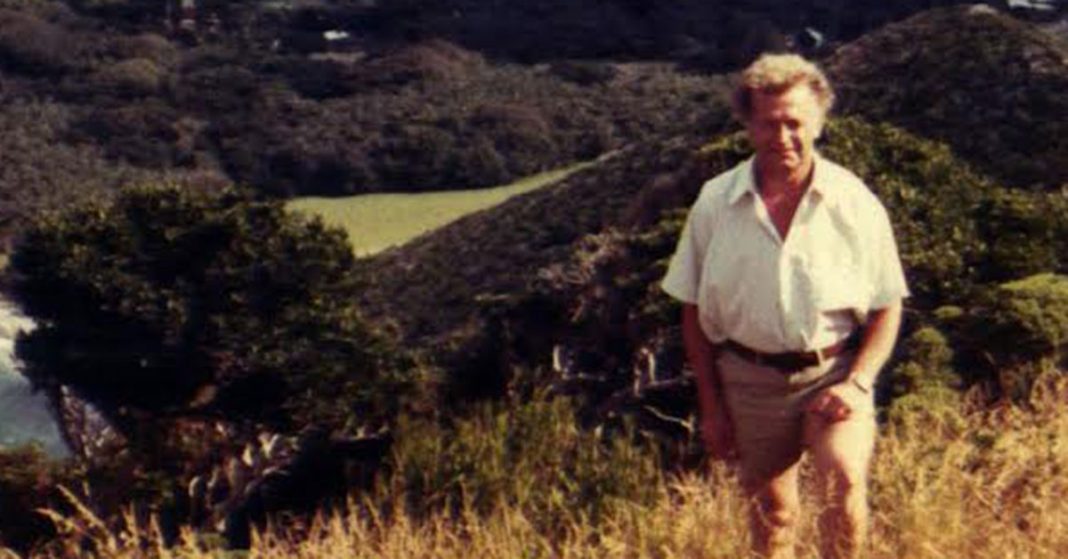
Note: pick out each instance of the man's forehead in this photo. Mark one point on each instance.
(797, 98)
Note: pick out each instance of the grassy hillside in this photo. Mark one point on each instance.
(982, 485)
(990, 86)
(375, 222)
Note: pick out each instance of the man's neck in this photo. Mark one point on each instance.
(773, 183)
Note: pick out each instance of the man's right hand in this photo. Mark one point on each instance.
(717, 434)
(716, 429)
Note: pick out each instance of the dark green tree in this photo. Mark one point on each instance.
(172, 303)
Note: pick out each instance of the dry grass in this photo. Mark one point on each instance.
(989, 485)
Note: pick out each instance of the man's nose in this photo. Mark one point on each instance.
(782, 134)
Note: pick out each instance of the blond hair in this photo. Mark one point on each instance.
(776, 73)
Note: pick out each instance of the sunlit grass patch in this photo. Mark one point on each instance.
(376, 222)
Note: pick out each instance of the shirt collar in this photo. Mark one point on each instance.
(824, 184)
(744, 181)
(822, 181)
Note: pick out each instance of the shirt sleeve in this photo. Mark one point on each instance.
(884, 265)
(684, 272)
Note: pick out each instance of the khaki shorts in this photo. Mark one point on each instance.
(767, 409)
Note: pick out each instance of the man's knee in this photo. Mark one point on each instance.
(778, 508)
(780, 517)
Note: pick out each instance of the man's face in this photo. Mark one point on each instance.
(783, 128)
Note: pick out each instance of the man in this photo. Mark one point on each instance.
(791, 288)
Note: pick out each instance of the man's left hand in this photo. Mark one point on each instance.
(838, 401)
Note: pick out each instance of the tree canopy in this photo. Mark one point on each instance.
(174, 302)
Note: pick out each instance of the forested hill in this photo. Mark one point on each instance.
(594, 243)
(89, 103)
(713, 35)
(990, 86)
(407, 95)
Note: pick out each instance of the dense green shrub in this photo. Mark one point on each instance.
(583, 73)
(1012, 333)
(150, 46)
(141, 133)
(520, 131)
(319, 79)
(134, 77)
(175, 302)
(479, 162)
(31, 46)
(1026, 233)
(45, 9)
(429, 61)
(222, 89)
(42, 172)
(1028, 318)
(924, 383)
(614, 306)
(416, 155)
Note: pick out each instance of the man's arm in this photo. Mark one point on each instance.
(880, 334)
(717, 432)
(879, 337)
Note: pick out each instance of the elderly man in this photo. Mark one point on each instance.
(791, 288)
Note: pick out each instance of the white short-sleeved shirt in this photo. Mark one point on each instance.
(839, 262)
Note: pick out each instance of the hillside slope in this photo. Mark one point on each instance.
(430, 285)
(577, 264)
(946, 74)
(990, 86)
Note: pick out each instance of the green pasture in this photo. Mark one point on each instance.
(376, 222)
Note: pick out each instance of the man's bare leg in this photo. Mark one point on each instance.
(841, 452)
(774, 513)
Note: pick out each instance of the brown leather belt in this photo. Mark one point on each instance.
(789, 362)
